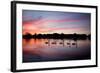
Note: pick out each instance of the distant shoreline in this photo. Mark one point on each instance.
(74, 36)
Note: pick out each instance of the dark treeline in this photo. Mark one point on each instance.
(57, 36)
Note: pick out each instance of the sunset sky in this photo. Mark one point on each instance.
(48, 22)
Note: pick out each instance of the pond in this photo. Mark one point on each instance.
(40, 50)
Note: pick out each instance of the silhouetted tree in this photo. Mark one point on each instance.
(27, 36)
(74, 36)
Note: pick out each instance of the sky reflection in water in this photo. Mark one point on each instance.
(37, 50)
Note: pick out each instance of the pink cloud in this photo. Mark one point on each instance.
(39, 21)
(34, 26)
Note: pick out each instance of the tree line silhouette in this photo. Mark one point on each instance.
(74, 36)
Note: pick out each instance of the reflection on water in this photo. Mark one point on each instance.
(37, 50)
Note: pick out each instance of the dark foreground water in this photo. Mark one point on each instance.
(37, 50)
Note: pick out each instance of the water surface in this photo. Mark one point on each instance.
(37, 50)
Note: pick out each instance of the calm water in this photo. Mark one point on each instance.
(36, 50)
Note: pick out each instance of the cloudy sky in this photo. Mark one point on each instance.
(45, 22)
